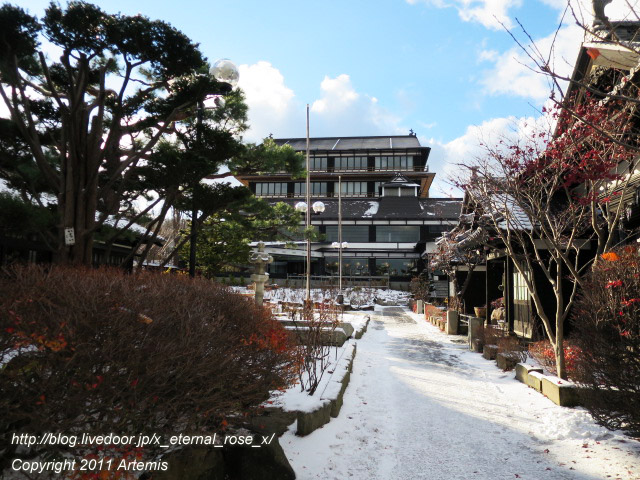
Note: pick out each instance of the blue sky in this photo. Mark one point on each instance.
(444, 68)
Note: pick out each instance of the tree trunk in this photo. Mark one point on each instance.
(559, 345)
(559, 352)
(465, 285)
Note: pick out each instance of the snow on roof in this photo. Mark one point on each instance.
(353, 143)
(388, 208)
(514, 216)
(373, 209)
(123, 222)
(157, 263)
(503, 209)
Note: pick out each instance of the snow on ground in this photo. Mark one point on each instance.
(357, 297)
(294, 399)
(360, 296)
(356, 319)
(421, 406)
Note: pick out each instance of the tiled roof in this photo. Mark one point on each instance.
(400, 181)
(503, 208)
(352, 143)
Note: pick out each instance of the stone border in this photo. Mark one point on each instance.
(331, 398)
(561, 392)
(308, 422)
(363, 329)
(490, 352)
(506, 362)
(213, 463)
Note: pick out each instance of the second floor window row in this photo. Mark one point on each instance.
(360, 163)
(322, 189)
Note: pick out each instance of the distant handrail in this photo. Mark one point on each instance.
(333, 280)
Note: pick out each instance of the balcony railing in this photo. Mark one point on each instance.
(332, 281)
(321, 195)
(414, 168)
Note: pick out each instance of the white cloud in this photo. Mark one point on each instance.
(616, 10)
(340, 109)
(488, 55)
(446, 158)
(339, 95)
(272, 105)
(492, 14)
(514, 73)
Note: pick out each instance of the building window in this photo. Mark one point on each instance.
(397, 233)
(350, 233)
(278, 267)
(271, 189)
(394, 163)
(318, 164)
(439, 228)
(350, 163)
(317, 189)
(395, 266)
(520, 290)
(354, 189)
(350, 266)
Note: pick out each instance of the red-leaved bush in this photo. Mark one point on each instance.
(100, 351)
(606, 322)
(543, 352)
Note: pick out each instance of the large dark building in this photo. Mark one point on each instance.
(388, 218)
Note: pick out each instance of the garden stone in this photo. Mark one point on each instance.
(272, 420)
(476, 327)
(452, 322)
(561, 392)
(490, 352)
(347, 328)
(195, 463)
(310, 421)
(524, 369)
(534, 380)
(505, 361)
(268, 462)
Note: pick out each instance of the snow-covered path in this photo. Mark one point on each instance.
(421, 406)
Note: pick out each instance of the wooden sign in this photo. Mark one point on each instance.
(69, 237)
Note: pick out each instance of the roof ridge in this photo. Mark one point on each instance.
(345, 138)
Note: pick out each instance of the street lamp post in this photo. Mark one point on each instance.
(318, 208)
(308, 215)
(340, 234)
(225, 72)
(339, 244)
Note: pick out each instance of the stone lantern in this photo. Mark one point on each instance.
(260, 260)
